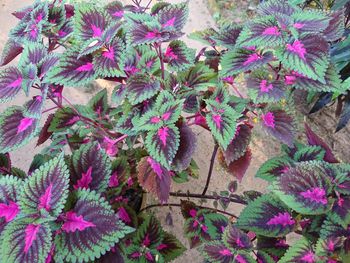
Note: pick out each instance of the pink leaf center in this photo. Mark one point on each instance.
(166, 116)
(156, 167)
(170, 22)
(97, 32)
(61, 33)
(252, 58)
(289, 79)
(316, 194)
(298, 48)
(33, 31)
(118, 13)
(149, 256)
(271, 31)
(87, 67)
(39, 17)
(264, 87)
(298, 25)
(9, 211)
(161, 246)
(124, 216)
(240, 259)
(309, 257)
(239, 243)
(153, 34)
(155, 119)
(17, 83)
(85, 179)
(31, 232)
(283, 219)
(217, 119)
(269, 119)
(45, 199)
(24, 124)
(74, 222)
(109, 53)
(163, 135)
(170, 53)
(193, 213)
(113, 181)
(225, 252)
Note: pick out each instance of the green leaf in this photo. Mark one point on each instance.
(46, 188)
(299, 252)
(15, 129)
(99, 103)
(273, 168)
(85, 245)
(174, 248)
(305, 188)
(162, 144)
(308, 55)
(262, 32)
(91, 167)
(141, 87)
(25, 242)
(267, 216)
(63, 119)
(179, 56)
(222, 121)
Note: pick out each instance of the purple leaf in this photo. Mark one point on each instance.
(341, 211)
(239, 144)
(236, 239)
(308, 55)
(305, 188)
(11, 50)
(108, 63)
(74, 223)
(173, 16)
(162, 144)
(267, 216)
(314, 139)
(9, 211)
(179, 56)
(217, 252)
(154, 178)
(228, 35)
(47, 63)
(280, 125)
(115, 10)
(335, 29)
(91, 168)
(187, 147)
(240, 166)
(310, 21)
(33, 108)
(241, 60)
(90, 22)
(63, 119)
(71, 71)
(9, 189)
(275, 7)
(300, 251)
(90, 229)
(15, 129)
(46, 188)
(141, 87)
(24, 241)
(265, 88)
(10, 83)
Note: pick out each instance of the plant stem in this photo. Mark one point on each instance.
(237, 91)
(179, 205)
(216, 147)
(234, 198)
(121, 138)
(160, 55)
(50, 109)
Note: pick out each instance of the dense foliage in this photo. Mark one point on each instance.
(82, 198)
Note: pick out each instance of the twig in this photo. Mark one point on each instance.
(179, 205)
(216, 147)
(234, 198)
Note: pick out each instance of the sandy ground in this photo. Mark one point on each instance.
(262, 150)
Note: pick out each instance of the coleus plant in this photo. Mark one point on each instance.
(82, 199)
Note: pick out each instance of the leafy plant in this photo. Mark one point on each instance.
(82, 199)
